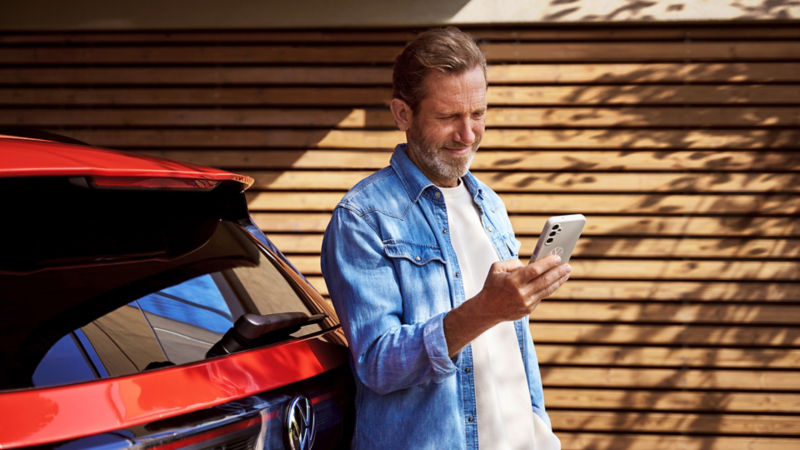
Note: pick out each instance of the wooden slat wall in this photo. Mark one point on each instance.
(679, 327)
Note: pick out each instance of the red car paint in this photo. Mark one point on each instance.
(41, 416)
(35, 158)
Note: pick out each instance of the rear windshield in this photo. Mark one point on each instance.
(79, 319)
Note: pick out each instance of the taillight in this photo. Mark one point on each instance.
(145, 183)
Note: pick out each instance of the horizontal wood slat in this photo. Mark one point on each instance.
(576, 182)
(667, 357)
(339, 54)
(615, 333)
(586, 160)
(757, 425)
(600, 73)
(648, 269)
(553, 204)
(659, 378)
(504, 117)
(401, 36)
(601, 441)
(661, 291)
(381, 96)
(675, 401)
(597, 225)
(511, 139)
(667, 313)
(619, 247)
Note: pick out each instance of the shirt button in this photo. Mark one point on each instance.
(437, 195)
(467, 370)
(444, 231)
(458, 274)
(418, 258)
(490, 229)
(470, 419)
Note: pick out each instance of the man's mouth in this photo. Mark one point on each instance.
(458, 150)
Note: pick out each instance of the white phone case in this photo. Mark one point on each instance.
(559, 237)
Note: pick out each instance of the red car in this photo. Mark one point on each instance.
(142, 308)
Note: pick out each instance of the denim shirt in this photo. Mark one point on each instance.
(391, 272)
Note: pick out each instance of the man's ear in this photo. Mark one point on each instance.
(402, 114)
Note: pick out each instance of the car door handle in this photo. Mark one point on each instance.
(253, 330)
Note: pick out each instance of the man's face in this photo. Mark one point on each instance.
(446, 131)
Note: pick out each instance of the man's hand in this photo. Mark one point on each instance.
(512, 290)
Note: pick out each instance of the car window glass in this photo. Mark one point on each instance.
(63, 363)
(188, 318)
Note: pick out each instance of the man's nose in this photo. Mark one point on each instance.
(465, 134)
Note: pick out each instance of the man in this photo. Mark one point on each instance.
(421, 264)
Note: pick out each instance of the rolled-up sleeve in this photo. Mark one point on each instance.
(388, 355)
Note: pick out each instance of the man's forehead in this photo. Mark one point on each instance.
(466, 89)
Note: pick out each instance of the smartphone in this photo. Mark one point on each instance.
(559, 237)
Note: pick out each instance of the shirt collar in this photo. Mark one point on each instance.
(415, 182)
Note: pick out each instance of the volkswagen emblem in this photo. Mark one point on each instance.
(557, 251)
(299, 423)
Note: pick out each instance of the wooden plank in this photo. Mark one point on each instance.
(757, 425)
(661, 312)
(385, 54)
(311, 96)
(620, 247)
(587, 160)
(204, 75)
(661, 291)
(610, 441)
(667, 357)
(397, 36)
(602, 73)
(560, 398)
(637, 51)
(633, 270)
(586, 333)
(511, 139)
(556, 181)
(639, 95)
(752, 72)
(614, 377)
(555, 204)
(597, 225)
(382, 118)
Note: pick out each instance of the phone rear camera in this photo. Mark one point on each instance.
(549, 241)
(553, 233)
(556, 226)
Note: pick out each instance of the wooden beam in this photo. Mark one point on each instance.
(561, 182)
(614, 441)
(588, 333)
(497, 139)
(597, 225)
(743, 402)
(755, 425)
(616, 269)
(379, 96)
(385, 54)
(633, 73)
(570, 160)
(734, 248)
(554, 204)
(669, 378)
(662, 291)
(359, 118)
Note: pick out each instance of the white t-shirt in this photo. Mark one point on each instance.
(506, 420)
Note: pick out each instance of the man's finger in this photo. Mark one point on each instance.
(538, 268)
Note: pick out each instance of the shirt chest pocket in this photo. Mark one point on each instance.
(422, 278)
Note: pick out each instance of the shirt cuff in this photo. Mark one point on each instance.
(436, 347)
